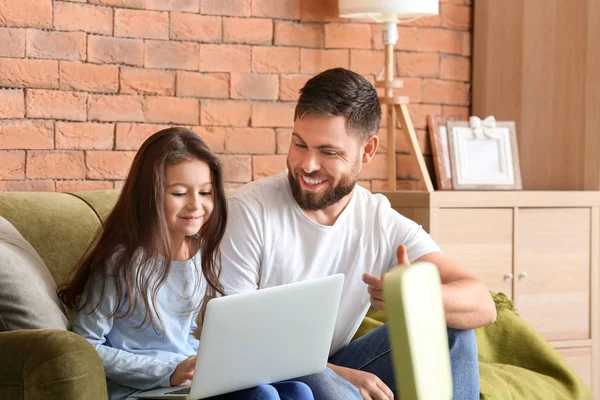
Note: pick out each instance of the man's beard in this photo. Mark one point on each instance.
(311, 201)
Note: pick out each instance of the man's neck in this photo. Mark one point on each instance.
(329, 215)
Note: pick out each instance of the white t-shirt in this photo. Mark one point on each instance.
(270, 241)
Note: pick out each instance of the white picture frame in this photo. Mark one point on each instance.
(484, 156)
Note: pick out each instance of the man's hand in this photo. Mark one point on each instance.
(184, 371)
(369, 385)
(375, 283)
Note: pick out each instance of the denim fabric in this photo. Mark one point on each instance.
(371, 353)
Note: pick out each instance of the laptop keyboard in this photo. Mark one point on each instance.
(180, 391)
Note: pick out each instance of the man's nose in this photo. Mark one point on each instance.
(310, 163)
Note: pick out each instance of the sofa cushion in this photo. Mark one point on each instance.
(28, 297)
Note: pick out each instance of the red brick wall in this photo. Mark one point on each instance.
(84, 82)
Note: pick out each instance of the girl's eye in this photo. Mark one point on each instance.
(205, 193)
(178, 194)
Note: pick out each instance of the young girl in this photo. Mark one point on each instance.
(153, 265)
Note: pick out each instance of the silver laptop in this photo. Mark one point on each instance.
(261, 337)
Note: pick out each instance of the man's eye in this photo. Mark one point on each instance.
(300, 145)
(330, 153)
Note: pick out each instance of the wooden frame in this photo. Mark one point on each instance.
(440, 148)
(484, 157)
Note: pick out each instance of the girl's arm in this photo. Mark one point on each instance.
(123, 367)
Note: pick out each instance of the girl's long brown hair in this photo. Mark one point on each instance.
(134, 241)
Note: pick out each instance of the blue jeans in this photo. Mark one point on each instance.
(288, 390)
(371, 353)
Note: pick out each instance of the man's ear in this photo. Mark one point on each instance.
(370, 148)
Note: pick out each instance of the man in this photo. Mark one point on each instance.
(313, 220)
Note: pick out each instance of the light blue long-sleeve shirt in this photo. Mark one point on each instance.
(144, 359)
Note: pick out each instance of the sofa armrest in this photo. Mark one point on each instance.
(49, 364)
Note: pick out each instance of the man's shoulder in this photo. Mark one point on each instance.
(263, 190)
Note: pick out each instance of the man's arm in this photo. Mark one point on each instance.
(467, 302)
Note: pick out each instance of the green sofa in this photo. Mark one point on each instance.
(515, 362)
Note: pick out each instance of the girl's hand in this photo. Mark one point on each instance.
(183, 372)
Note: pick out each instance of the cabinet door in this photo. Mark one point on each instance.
(580, 359)
(552, 271)
(480, 240)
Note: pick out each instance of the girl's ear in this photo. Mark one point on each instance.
(370, 148)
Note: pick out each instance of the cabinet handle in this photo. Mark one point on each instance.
(523, 275)
(508, 276)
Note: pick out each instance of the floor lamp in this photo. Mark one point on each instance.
(389, 13)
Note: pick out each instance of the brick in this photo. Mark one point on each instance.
(131, 136)
(192, 6)
(463, 113)
(171, 55)
(319, 10)
(290, 85)
(13, 42)
(147, 81)
(26, 134)
(45, 185)
(284, 138)
(254, 86)
(407, 169)
(433, 21)
(205, 85)
(376, 169)
(456, 17)
(403, 147)
(418, 64)
(213, 136)
(273, 114)
(365, 184)
(289, 33)
(108, 164)
(446, 92)
(347, 35)
(89, 77)
(407, 38)
(12, 104)
(26, 13)
(54, 104)
(172, 110)
(13, 165)
(82, 186)
(467, 46)
(380, 186)
(84, 136)
(200, 28)
(225, 112)
(455, 68)
(283, 60)
(141, 24)
(248, 30)
(55, 164)
(83, 17)
(108, 50)
(283, 9)
(367, 61)
(250, 140)
(419, 113)
(236, 8)
(412, 89)
(441, 40)
(314, 61)
(56, 45)
(237, 168)
(120, 3)
(225, 58)
(264, 166)
(116, 108)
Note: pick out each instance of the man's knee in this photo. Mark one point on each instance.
(329, 385)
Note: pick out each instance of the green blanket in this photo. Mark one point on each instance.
(515, 362)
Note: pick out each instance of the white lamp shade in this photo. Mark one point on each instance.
(378, 8)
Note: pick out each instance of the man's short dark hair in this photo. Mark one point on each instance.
(339, 91)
